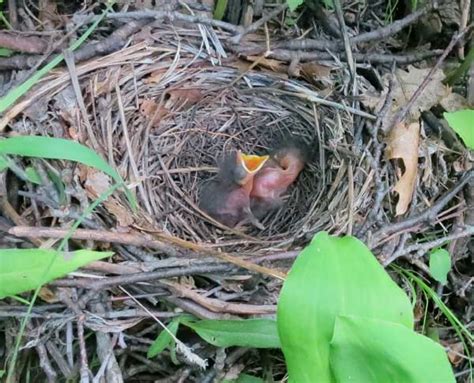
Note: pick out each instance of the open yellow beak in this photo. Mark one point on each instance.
(252, 163)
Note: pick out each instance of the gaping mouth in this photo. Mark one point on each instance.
(252, 163)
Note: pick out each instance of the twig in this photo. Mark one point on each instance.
(400, 116)
(376, 58)
(465, 8)
(217, 305)
(20, 43)
(375, 159)
(257, 24)
(13, 14)
(391, 29)
(132, 239)
(378, 34)
(422, 248)
(84, 370)
(45, 364)
(429, 215)
(110, 44)
(94, 235)
(86, 283)
(346, 42)
(187, 353)
(172, 16)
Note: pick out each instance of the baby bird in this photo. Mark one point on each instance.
(278, 173)
(226, 198)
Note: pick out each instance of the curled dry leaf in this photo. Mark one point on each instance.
(96, 183)
(183, 98)
(403, 143)
(153, 111)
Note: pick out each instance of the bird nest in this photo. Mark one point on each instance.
(162, 113)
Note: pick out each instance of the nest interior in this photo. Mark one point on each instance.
(164, 115)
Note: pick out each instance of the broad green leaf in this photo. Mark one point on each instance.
(60, 149)
(440, 264)
(163, 340)
(331, 277)
(293, 4)
(462, 122)
(256, 333)
(25, 269)
(372, 351)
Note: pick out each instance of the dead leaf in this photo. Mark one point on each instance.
(272, 64)
(122, 214)
(105, 82)
(96, 182)
(315, 70)
(454, 102)
(155, 76)
(456, 353)
(409, 81)
(153, 112)
(406, 84)
(183, 98)
(403, 143)
(48, 295)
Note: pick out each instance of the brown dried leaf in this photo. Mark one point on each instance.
(152, 111)
(409, 81)
(315, 70)
(406, 84)
(454, 102)
(403, 143)
(122, 214)
(272, 64)
(48, 295)
(96, 182)
(456, 353)
(155, 76)
(183, 98)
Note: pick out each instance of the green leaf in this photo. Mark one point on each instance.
(163, 340)
(219, 9)
(373, 351)
(33, 175)
(3, 163)
(440, 265)
(329, 4)
(293, 4)
(462, 122)
(332, 277)
(60, 149)
(60, 187)
(5, 52)
(25, 269)
(255, 333)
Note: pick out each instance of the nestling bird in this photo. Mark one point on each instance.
(279, 172)
(226, 198)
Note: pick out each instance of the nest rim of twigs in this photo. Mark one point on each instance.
(232, 103)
